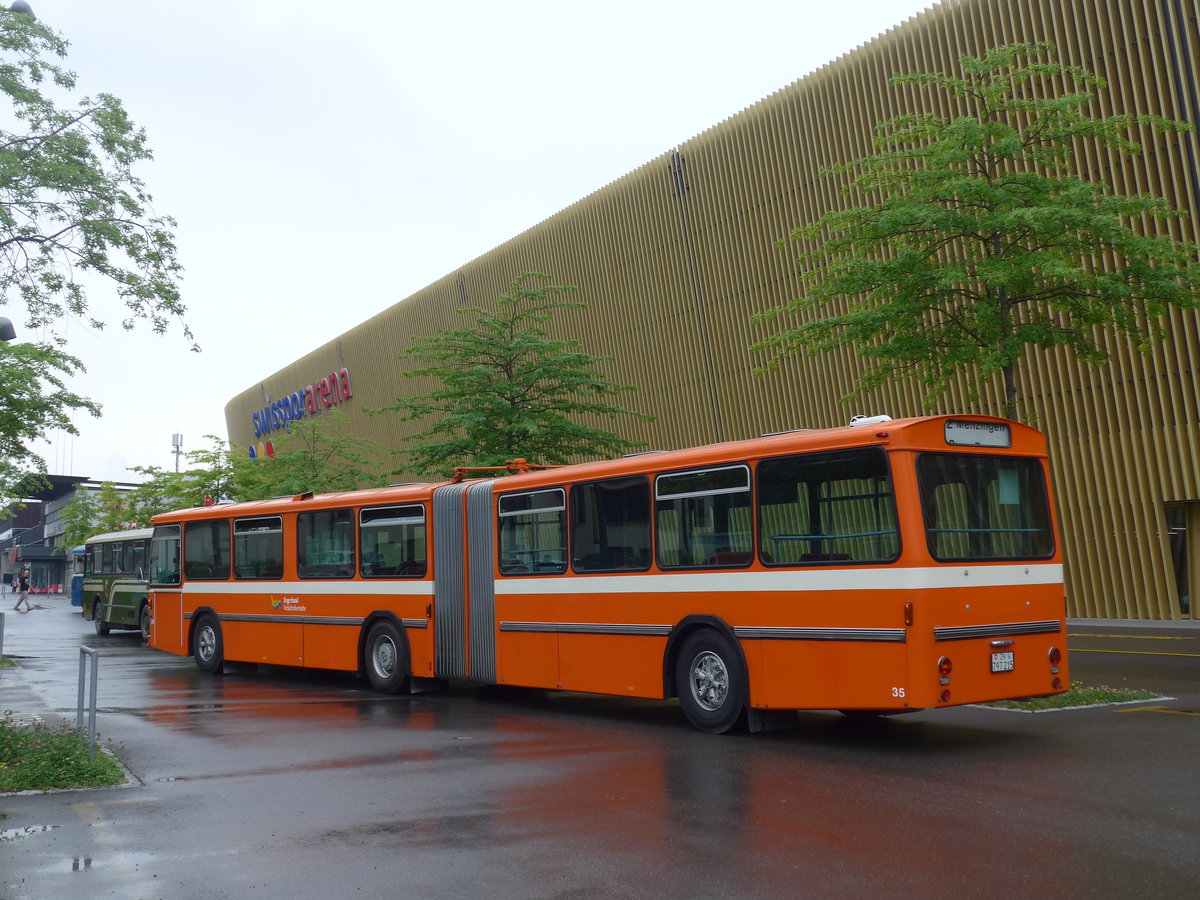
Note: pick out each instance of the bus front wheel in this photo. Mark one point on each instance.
(711, 683)
(207, 646)
(144, 622)
(386, 658)
(98, 617)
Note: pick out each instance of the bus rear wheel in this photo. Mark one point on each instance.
(385, 657)
(711, 683)
(208, 646)
(98, 617)
(144, 622)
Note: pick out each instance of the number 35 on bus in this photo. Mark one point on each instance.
(890, 566)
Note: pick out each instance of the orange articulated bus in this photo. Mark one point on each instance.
(889, 566)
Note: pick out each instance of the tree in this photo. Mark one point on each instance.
(509, 390)
(34, 400)
(78, 518)
(210, 475)
(984, 240)
(113, 511)
(72, 214)
(315, 455)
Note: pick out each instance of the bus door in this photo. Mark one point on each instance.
(464, 594)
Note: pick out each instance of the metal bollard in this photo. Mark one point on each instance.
(1, 636)
(84, 653)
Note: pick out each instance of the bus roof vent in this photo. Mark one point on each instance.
(307, 495)
(860, 421)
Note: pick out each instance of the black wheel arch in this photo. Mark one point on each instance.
(680, 633)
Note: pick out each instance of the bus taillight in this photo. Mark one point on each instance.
(1055, 659)
(944, 667)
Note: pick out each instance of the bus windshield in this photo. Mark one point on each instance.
(984, 507)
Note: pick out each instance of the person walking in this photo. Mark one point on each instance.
(23, 597)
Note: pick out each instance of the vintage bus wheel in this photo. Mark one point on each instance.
(711, 684)
(208, 646)
(144, 622)
(98, 618)
(386, 658)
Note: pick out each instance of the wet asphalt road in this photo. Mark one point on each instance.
(278, 783)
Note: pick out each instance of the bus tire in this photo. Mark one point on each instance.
(144, 621)
(208, 647)
(98, 617)
(711, 682)
(385, 657)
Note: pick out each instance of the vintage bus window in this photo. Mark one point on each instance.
(91, 562)
(392, 541)
(984, 507)
(823, 507)
(133, 557)
(258, 547)
(206, 550)
(108, 561)
(164, 555)
(703, 518)
(610, 525)
(326, 544)
(533, 532)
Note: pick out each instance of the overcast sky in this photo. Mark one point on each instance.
(325, 160)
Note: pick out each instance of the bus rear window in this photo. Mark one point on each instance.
(984, 507)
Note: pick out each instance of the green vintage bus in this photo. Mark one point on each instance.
(114, 581)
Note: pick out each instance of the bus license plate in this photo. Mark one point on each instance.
(1002, 662)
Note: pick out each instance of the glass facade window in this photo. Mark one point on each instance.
(533, 532)
(823, 507)
(610, 525)
(325, 544)
(703, 518)
(984, 507)
(392, 541)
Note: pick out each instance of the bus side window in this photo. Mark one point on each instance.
(827, 507)
(258, 547)
(610, 525)
(703, 518)
(533, 532)
(206, 550)
(164, 555)
(325, 544)
(392, 541)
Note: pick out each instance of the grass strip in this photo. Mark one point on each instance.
(42, 757)
(1079, 694)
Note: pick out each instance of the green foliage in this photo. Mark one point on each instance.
(314, 455)
(79, 519)
(34, 400)
(983, 240)
(72, 213)
(210, 473)
(509, 390)
(69, 201)
(42, 757)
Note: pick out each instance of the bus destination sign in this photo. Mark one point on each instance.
(978, 434)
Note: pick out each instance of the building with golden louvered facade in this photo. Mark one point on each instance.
(674, 258)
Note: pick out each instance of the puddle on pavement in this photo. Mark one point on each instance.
(87, 863)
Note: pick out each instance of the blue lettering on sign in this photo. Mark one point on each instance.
(323, 392)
